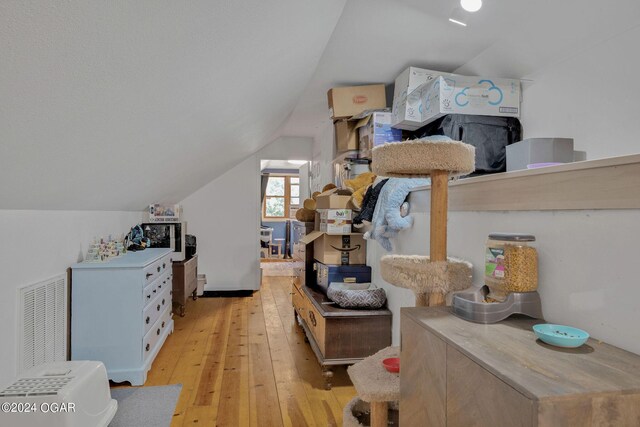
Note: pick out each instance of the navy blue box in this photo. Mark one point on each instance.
(326, 274)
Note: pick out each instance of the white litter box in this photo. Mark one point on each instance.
(60, 394)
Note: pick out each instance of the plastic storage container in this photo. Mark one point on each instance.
(511, 265)
(327, 274)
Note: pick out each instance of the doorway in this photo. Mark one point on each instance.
(284, 186)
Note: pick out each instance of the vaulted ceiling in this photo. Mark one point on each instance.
(112, 105)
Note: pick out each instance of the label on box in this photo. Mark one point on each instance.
(469, 95)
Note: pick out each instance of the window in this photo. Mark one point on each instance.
(282, 196)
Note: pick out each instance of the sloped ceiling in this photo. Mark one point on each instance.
(376, 39)
(113, 105)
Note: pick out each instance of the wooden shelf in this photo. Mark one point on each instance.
(611, 183)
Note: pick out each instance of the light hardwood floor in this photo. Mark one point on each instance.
(244, 362)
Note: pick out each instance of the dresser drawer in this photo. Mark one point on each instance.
(298, 301)
(164, 282)
(156, 287)
(316, 323)
(155, 332)
(157, 269)
(153, 311)
(149, 293)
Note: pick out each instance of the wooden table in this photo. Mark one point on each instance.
(458, 373)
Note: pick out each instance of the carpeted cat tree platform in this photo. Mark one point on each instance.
(429, 277)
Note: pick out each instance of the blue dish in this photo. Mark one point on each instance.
(560, 336)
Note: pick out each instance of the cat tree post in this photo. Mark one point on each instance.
(438, 224)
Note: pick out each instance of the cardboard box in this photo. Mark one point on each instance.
(469, 95)
(406, 105)
(346, 135)
(335, 221)
(407, 112)
(410, 79)
(539, 150)
(375, 130)
(333, 199)
(346, 249)
(346, 102)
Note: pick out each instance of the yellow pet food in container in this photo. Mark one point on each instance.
(511, 265)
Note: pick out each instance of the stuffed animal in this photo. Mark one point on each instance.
(328, 187)
(305, 215)
(359, 186)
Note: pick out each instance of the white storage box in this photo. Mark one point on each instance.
(469, 95)
(335, 221)
(407, 111)
(410, 79)
(539, 150)
(202, 280)
(59, 394)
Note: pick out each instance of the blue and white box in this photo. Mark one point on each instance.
(469, 95)
(375, 130)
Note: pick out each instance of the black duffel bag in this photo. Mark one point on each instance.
(490, 135)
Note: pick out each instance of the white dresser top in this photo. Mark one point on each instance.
(129, 260)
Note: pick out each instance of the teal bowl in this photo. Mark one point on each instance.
(560, 336)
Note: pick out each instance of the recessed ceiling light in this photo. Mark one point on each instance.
(471, 5)
(458, 17)
(297, 162)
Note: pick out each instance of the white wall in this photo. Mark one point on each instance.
(323, 154)
(591, 97)
(590, 94)
(587, 272)
(224, 215)
(37, 245)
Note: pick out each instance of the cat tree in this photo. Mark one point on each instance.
(429, 277)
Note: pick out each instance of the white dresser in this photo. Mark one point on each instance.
(121, 312)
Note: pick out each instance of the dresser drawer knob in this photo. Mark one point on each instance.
(149, 296)
(158, 269)
(155, 290)
(158, 308)
(158, 331)
(147, 347)
(147, 320)
(164, 265)
(160, 286)
(149, 275)
(163, 324)
(162, 301)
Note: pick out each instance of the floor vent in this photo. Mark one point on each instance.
(42, 328)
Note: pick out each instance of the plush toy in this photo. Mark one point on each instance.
(359, 186)
(315, 194)
(307, 213)
(328, 187)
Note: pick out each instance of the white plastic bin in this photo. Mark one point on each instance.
(202, 280)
